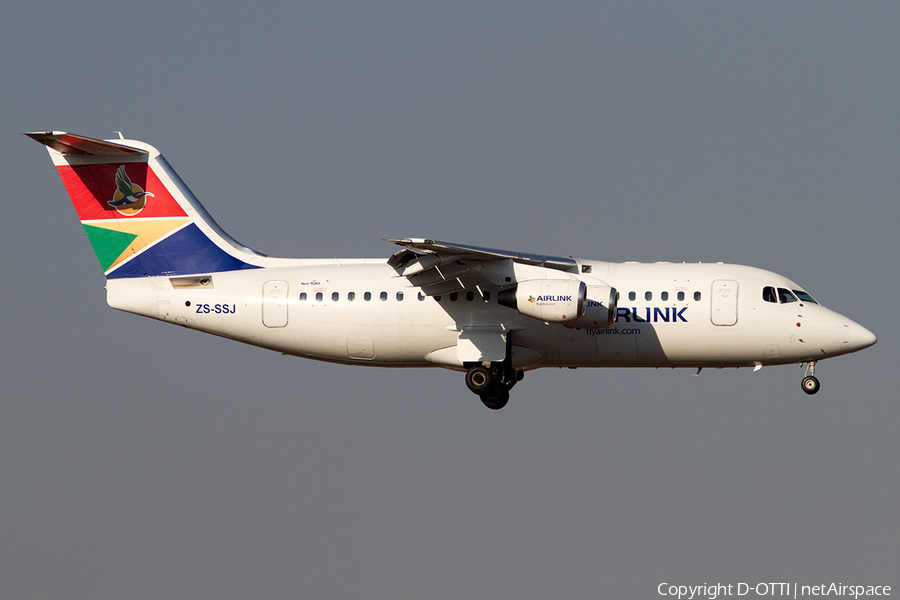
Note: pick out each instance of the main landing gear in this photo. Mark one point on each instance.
(810, 384)
(492, 384)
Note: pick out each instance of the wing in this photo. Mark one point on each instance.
(441, 268)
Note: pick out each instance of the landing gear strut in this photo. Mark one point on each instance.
(810, 384)
(492, 384)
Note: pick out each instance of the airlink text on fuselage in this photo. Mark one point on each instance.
(652, 314)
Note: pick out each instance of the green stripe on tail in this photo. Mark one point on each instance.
(108, 244)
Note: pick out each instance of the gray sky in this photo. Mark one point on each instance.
(145, 461)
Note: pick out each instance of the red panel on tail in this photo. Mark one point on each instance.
(93, 187)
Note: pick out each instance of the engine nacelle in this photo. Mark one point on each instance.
(599, 308)
(551, 300)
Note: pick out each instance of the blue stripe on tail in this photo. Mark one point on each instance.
(185, 252)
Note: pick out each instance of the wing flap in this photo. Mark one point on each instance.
(478, 253)
(441, 268)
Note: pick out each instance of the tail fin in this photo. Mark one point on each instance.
(140, 218)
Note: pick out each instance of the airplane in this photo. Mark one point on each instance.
(492, 314)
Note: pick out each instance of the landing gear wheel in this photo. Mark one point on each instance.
(495, 398)
(810, 385)
(479, 379)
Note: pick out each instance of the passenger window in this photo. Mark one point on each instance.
(335, 297)
(453, 297)
(680, 296)
(400, 296)
(664, 296)
(786, 296)
(805, 297)
(769, 294)
(351, 296)
(318, 296)
(696, 296)
(470, 296)
(648, 296)
(632, 295)
(487, 296)
(302, 296)
(367, 296)
(421, 296)
(383, 296)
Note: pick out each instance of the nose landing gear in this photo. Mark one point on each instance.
(810, 384)
(492, 384)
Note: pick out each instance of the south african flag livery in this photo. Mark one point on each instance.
(135, 214)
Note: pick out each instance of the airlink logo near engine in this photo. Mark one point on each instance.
(652, 315)
(532, 299)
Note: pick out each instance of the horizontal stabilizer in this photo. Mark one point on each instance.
(67, 143)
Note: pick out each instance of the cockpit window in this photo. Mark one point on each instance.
(769, 294)
(786, 296)
(805, 297)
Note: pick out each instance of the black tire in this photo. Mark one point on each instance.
(479, 379)
(495, 398)
(810, 385)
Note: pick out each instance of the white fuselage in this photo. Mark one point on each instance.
(359, 311)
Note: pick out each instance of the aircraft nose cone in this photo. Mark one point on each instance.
(860, 337)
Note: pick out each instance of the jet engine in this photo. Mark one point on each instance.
(599, 308)
(551, 300)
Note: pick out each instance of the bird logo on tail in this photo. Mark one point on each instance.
(129, 198)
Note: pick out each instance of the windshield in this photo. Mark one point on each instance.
(805, 297)
(785, 296)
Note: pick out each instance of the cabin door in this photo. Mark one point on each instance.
(275, 304)
(724, 304)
